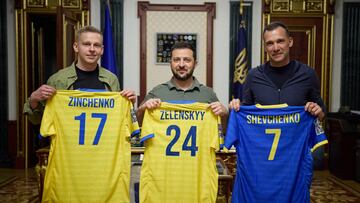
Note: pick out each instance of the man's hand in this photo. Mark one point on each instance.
(150, 104)
(234, 104)
(315, 110)
(130, 94)
(218, 109)
(44, 92)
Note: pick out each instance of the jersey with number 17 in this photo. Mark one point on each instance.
(90, 152)
(179, 161)
(273, 146)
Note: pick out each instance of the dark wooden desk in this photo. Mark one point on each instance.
(343, 132)
(225, 181)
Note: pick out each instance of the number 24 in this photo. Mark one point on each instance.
(185, 147)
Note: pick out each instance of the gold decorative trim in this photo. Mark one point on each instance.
(32, 41)
(314, 6)
(311, 60)
(25, 138)
(313, 46)
(324, 80)
(19, 41)
(36, 3)
(85, 18)
(71, 3)
(65, 23)
(40, 45)
(297, 6)
(281, 6)
(331, 18)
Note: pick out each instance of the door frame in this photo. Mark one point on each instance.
(24, 8)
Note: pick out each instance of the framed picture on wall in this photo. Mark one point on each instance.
(164, 42)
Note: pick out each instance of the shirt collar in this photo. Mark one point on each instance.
(171, 85)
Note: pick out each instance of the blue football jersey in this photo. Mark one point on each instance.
(273, 145)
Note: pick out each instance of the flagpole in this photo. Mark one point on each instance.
(241, 11)
(241, 7)
(107, 2)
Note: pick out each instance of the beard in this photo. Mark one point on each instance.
(183, 77)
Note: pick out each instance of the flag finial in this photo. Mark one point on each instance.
(241, 7)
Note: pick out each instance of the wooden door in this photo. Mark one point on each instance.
(45, 31)
(67, 24)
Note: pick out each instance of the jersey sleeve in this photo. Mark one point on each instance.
(130, 121)
(218, 139)
(231, 131)
(317, 137)
(134, 125)
(146, 129)
(47, 127)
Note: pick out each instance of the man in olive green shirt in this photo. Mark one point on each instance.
(183, 85)
(83, 73)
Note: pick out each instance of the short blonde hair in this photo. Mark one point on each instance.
(85, 29)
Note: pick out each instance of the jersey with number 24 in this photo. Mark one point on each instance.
(179, 161)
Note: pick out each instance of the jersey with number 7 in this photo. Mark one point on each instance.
(179, 160)
(90, 151)
(273, 146)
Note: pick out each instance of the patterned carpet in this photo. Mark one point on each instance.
(18, 189)
(327, 189)
(332, 190)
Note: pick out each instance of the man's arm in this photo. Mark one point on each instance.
(34, 105)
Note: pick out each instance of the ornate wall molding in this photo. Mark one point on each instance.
(52, 4)
(298, 6)
(144, 7)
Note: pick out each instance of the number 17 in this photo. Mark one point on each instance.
(82, 118)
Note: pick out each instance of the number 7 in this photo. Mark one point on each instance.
(275, 143)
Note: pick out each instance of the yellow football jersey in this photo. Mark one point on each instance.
(90, 152)
(179, 162)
